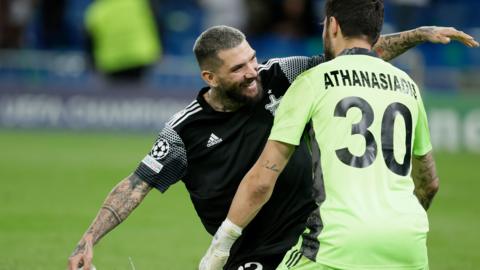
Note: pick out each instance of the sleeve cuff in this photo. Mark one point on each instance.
(423, 151)
(144, 173)
(280, 137)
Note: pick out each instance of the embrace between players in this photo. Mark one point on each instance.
(367, 147)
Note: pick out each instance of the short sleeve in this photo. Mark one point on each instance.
(293, 66)
(294, 112)
(167, 161)
(422, 144)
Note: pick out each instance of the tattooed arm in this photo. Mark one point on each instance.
(424, 174)
(121, 201)
(391, 46)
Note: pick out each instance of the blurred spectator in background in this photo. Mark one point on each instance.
(224, 12)
(56, 25)
(294, 18)
(53, 30)
(408, 13)
(124, 38)
(260, 16)
(284, 18)
(14, 17)
(292, 26)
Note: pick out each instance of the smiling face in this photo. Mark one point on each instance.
(237, 77)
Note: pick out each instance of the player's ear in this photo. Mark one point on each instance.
(209, 78)
(333, 25)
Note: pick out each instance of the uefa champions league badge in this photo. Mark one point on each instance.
(161, 149)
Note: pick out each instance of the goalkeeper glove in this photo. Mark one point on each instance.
(219, 250)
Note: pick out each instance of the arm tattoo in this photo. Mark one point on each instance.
(79, 249)
(114, 213)
(272, 167)
(391, 46)
(121, 201)
(82, 248)
(135, 181)
(424, 175)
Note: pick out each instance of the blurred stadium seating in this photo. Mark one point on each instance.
(55, 60)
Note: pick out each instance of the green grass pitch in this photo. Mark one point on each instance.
(52, 184)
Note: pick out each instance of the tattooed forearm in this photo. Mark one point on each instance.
(114, 213)
(391, 46)
(424, 175)
(269, 166)
(121, 201)
(136, 182)
(81, 247)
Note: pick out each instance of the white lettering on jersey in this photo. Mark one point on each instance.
(152, 163)
(251, 266)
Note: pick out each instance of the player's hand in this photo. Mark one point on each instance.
(443, 35)
(214, 259)
(219, 250)
(82, 255)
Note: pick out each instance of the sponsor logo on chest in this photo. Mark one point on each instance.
(213, 140)
(274, 103)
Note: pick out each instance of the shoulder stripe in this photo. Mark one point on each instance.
(192, 112)
(269, 64)
(291, 258)
(178, 116)
(191, 104)
(297, 259)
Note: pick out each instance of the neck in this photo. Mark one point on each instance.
(352, 43)
(220, 102)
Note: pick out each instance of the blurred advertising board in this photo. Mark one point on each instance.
(134, 109)
(454, 121)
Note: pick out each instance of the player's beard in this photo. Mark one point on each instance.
(236, 91)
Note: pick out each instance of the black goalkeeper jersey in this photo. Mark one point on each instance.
(212, 151)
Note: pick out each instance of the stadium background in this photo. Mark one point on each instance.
(67, 135)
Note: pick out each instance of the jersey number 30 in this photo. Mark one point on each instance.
(361, 128)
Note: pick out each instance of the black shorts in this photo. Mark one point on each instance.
(265, 262)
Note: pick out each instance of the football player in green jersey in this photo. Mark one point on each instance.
(378, 172)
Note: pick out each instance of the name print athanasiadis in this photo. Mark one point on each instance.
(368, 79)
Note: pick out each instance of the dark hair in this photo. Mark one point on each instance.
(213, 40)
(357, 17)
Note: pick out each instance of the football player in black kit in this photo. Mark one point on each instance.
(230, 120)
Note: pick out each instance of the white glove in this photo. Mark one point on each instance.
(219, 250)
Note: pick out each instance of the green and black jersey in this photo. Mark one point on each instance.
(211, 152)
(368, 119)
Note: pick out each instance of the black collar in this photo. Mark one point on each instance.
(203, 102)
(353, 51)
(207, 107)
